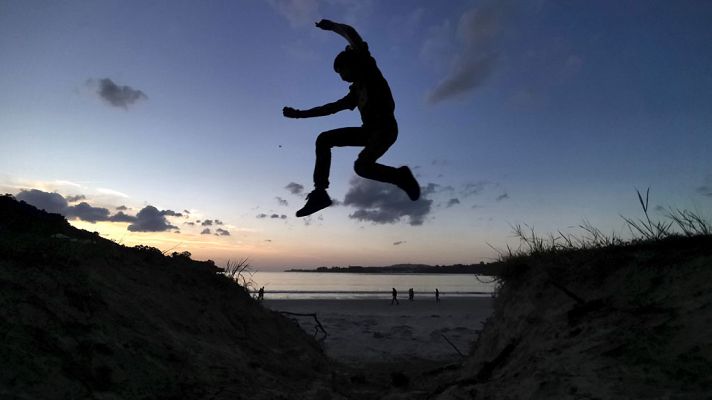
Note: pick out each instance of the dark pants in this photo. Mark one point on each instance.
(375, 142)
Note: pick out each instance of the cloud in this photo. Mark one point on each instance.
(706, 188)
(221, 232)
(452, 202)
(171, 213)
(56, 203)
(150, 219)
(186, 212)
(477, 188)
(86, 212)
(382, 203)
(74, 199)
(298, 12)
(50, 202)
(218, 222)
(112, 192)
(502, 196)
(478, 31)
(294, 188)
(122, 208)
(118, 96)
(121, 217)
(205, 231)
(189, 223)
(398, 243)
(207, 222)
(261, 216)
(282, 202)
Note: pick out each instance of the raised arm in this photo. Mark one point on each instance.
(346, 31)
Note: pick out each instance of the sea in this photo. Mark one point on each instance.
(326, 285)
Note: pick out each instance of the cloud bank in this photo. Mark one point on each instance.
(148, 219)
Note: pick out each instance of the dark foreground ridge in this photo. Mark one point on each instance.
(82, 317)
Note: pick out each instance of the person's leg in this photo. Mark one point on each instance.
(366, 166)
(324, 142)
(318, 199)
(377, 142)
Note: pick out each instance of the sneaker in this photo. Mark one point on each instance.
(408, 183)
(317, 200)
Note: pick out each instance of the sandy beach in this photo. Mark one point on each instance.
(373, 330)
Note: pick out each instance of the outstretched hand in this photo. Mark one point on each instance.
(326, 24)
(290, 112)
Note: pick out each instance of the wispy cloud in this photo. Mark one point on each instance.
(452, 202)
(478, 31)
(299, 13)
(706, 188)
(112, 192)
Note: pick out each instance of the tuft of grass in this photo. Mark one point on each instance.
(646, 228)
(240, 272)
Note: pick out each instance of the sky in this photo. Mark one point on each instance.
(160, 123)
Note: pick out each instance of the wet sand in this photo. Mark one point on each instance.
(365, 331)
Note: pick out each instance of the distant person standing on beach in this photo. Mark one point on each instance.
(395, 297)
(261, 294)
(411, 294)
(437, 295)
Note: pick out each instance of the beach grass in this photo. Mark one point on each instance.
(644, 231)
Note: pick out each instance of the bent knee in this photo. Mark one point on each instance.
(323, 140)
(362, 166)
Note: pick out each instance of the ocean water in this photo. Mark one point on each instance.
(318, 285)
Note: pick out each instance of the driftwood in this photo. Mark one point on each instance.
(318, 325)
(567, 292)
(453, 345)
(484, 373)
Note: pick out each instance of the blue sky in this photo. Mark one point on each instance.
(542, 113)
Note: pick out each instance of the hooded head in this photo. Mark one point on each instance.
(346, 64)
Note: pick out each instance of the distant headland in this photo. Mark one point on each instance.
(479, 269)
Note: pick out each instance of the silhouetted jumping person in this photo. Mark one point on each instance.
(369, 92)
